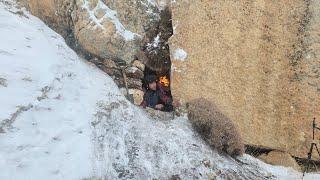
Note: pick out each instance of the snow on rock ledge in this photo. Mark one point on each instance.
(78, 124)
(109, 14)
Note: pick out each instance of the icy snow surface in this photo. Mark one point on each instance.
(62, 118)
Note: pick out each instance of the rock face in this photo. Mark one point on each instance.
(106, 29)
(257, 60)
(57, 14)
(281, 159)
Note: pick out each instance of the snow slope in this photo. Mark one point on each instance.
(62, 118)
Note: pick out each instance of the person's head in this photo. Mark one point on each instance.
(151, 81)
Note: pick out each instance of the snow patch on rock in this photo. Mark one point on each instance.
(154, 44)
(153, 2)
(112, 15)
(180, 54)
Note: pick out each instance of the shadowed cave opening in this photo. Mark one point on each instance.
(155, 54)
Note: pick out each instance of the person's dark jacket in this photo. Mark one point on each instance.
(160, 96)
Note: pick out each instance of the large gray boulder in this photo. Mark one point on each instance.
(103, 28)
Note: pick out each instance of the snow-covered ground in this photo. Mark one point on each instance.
(62, 118)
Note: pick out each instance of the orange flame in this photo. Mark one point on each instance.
(164, 81)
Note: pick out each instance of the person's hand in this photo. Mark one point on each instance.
(176, 103)
(159, 106)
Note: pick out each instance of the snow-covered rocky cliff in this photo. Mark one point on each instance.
(63, 118)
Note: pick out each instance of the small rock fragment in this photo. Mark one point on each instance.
(3, 82)
(138, 64)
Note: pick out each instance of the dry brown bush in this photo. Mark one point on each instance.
(216, 128)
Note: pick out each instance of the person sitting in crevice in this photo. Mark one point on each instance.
(155, 96)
